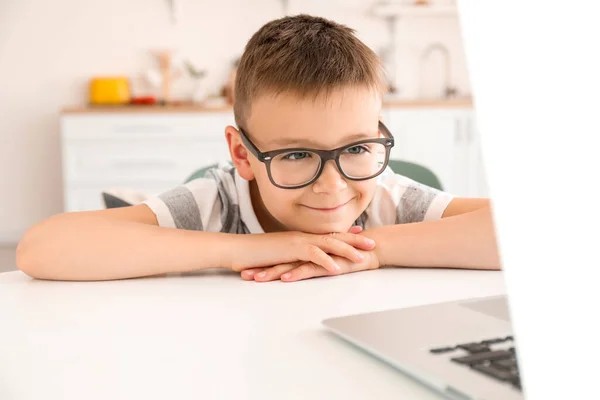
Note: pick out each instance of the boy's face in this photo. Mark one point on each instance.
(331, 203)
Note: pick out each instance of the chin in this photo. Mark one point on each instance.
(323, 228)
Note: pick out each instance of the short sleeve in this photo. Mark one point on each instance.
(193, 206)
(401, 200)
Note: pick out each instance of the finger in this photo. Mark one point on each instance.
(304, 271)
(334, 246)
(311, 270)
(361, 242)
(248, 274)
(355, 229)
(319, 256)
(275, 272)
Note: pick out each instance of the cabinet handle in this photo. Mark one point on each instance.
(142, 129)
(469, 131)
(126, 163)
(143, 163)
(457, 131)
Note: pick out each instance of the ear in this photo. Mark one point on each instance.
(239, 154)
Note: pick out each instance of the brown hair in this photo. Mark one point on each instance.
(303, 55)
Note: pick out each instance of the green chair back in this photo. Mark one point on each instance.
(199, 173)
(416, 172)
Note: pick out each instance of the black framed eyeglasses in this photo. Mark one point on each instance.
(295, 168)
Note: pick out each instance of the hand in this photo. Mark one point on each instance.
(300, 270)
(266, 250)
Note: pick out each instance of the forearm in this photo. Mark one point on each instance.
(78, 246)
(461, 241)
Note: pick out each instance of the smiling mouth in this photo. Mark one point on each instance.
(328, 209)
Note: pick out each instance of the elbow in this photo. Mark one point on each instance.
(30, 253)
(25, 255)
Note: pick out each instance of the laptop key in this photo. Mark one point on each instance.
(493, 341)
(474, 347)
(507, 364)
(516, 382)
(478, 358)
(496, 373)
(441, 350)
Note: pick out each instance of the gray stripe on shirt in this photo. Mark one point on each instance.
(362, 220)
(414, 204)
(183, 207)
(230, 212)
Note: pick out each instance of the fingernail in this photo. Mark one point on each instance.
(249, 272)
(336, 267)
(261, 274)
(360, 256)
(370, 242)
(286, 276)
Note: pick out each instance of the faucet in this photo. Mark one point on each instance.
(449, 91)
(285, 6)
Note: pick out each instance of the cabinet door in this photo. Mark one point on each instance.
(131, 159)
(147, 152)
(429, 138)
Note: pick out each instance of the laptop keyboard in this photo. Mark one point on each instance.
(495, 358)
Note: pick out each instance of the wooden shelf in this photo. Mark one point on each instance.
(134, 109)
(387, 103)
(401, 10)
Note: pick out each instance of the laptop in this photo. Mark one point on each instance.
(463, 349)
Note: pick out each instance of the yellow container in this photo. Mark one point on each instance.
(109, 90)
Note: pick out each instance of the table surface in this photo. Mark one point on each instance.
(209, 335)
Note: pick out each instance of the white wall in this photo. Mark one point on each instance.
(48, 50)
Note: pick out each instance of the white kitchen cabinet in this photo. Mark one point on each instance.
(443, 140)
(147, 152)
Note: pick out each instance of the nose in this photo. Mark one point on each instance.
(330, 181)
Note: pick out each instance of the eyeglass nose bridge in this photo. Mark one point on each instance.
(329, 155)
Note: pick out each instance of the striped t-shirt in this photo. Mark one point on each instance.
(220, 202)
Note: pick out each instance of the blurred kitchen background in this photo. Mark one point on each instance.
(135, 94)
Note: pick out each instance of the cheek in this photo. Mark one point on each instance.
(258, 169)
(279, 202)
(366, 190)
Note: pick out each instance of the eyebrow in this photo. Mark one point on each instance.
(285, 142)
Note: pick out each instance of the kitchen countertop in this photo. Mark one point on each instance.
(390, 103)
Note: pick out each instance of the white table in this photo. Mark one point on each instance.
(208, 335)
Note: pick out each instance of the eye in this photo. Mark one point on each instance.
(356, 149)
(298, 155)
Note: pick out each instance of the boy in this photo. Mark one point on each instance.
(308, 194)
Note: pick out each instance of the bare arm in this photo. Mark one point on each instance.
(463, 238)
(127, 242)
(114, 244)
